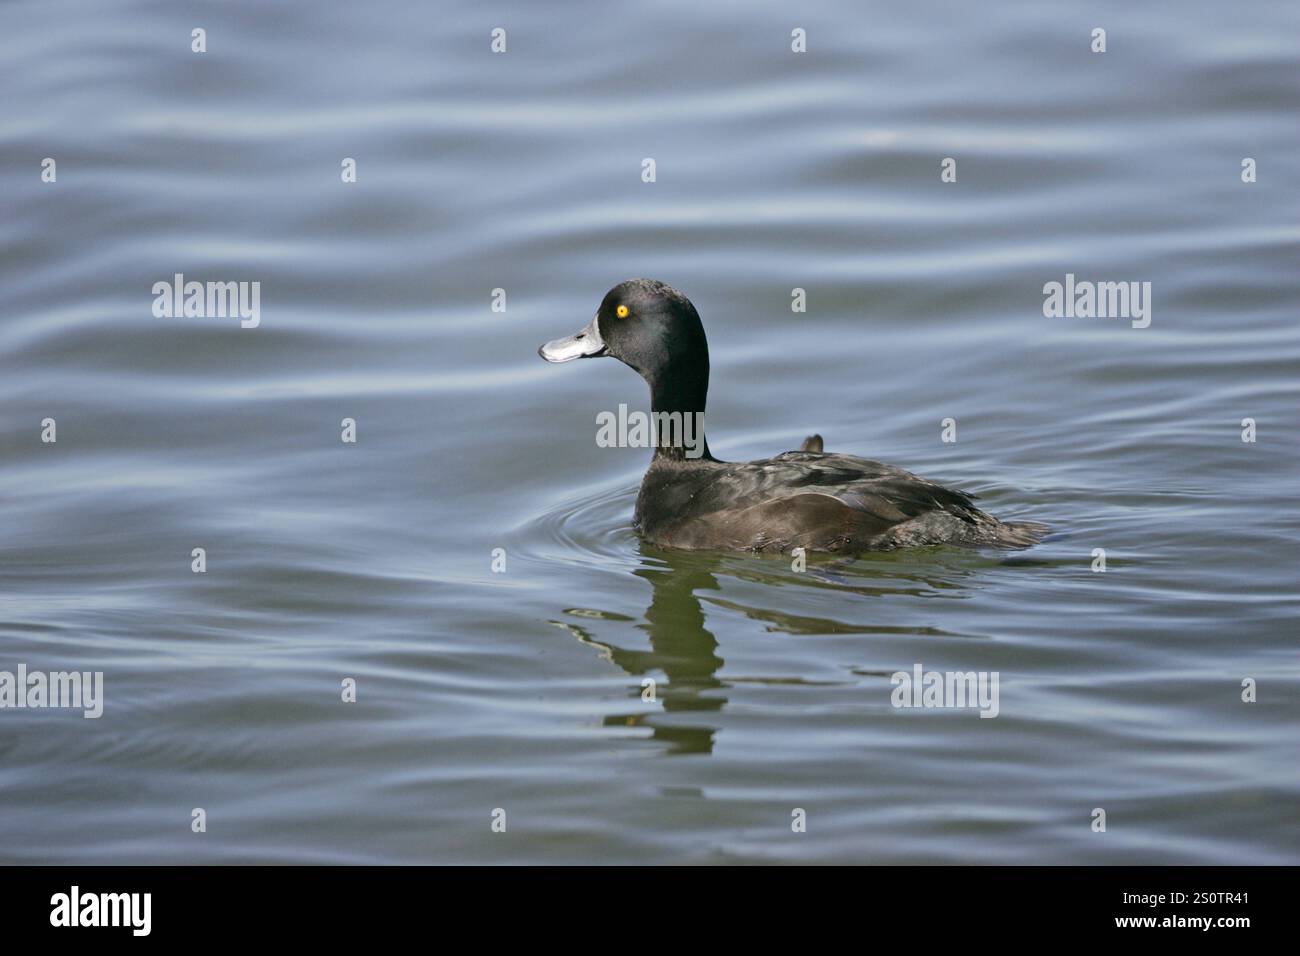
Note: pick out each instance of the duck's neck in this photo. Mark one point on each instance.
(677, 408)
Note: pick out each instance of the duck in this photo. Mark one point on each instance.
(808, 499)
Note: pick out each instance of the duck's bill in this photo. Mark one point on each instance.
(586, 344)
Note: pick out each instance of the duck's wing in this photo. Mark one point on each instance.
(890, 493)
(824, 502)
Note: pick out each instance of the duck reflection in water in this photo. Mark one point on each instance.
(683, 659)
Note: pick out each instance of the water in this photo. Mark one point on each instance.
(522, 690)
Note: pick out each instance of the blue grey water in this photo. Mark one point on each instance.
(521, 691)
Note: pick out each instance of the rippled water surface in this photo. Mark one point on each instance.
(522, 690)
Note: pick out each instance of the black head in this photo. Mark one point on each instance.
(652, 328)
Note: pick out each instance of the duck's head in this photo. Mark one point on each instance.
(646, 325)
(654, 329)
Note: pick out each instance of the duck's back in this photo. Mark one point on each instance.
(820, 502)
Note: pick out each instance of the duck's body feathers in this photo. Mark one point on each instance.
(810, 500)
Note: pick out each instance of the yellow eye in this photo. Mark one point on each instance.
(621, 312)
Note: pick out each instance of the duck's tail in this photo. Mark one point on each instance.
(1019, 534)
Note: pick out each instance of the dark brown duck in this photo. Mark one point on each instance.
(809, 498)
